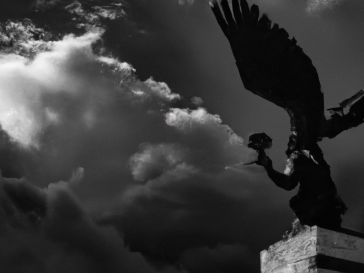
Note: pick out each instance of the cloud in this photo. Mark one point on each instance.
(214, 145)
(48, 231)
(316, 6)
(200, 208)
(153, 161)
(57, 70)
(187, 213)
(197, 101)
(23, 115)
(94, 15)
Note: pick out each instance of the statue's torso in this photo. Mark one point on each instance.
(313, 175)
(317, 201)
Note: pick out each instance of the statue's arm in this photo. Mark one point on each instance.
(284, 181)
(287, 180)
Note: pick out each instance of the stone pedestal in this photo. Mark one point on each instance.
(316, 250)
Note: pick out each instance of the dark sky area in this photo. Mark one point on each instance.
(120, 117)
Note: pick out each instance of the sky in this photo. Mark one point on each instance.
(123, 127)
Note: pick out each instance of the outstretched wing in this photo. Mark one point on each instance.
(271, 64)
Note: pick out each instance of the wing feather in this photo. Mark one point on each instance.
(271, 64)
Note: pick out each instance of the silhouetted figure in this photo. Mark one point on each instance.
(274, 67)
(317, 201)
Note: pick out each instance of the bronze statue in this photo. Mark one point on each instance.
(274, 67)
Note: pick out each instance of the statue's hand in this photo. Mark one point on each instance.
(264, 160)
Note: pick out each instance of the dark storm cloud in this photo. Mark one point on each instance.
(47, 231)
(186, 211)
(11, 157)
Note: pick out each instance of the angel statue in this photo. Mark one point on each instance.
(274, 67)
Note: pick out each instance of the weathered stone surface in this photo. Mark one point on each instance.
(340, 245)
(315, 250)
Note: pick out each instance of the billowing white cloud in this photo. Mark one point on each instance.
(205, 134)
(68, 67)
(23, 83)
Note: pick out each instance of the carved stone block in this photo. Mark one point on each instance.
(316, 250)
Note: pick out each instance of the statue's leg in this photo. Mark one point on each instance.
(324, 212)
(329, 211)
